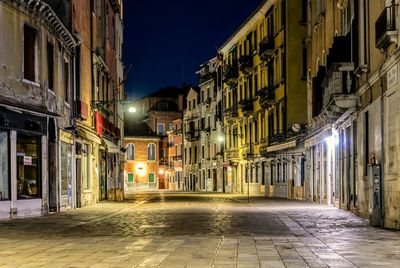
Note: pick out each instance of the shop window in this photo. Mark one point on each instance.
(66, 182)
(151, 152)
(86, 183)
(151, 177)
(4, 167)
(28, 166)
(130, 178)
(130, 152)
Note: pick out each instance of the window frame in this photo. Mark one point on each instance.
(133, 152)
(33, 78)
(154, 152)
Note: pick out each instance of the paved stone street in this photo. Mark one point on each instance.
(198, 230)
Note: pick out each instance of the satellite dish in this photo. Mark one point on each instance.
(296, 127)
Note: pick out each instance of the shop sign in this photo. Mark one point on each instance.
(27, 161)
(66, 137)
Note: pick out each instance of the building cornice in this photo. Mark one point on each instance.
(42, 9)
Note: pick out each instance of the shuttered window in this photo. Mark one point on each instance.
(66, 81)
(50, 65)
(29, 53)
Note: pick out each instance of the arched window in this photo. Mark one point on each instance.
(151, 152)
(130, 152)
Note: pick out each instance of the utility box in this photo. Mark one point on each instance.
(375, 185)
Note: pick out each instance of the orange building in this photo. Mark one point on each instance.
(141, 170)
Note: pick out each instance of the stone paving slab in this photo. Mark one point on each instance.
(198, 230)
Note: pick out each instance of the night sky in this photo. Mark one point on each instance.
(167, 40)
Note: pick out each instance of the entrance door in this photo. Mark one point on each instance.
(215, 183)
(52, 164)
(103, 176)
(78, 182)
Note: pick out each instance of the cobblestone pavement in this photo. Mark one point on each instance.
(198, 230)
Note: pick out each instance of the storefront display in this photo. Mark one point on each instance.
(28, 166)
(66, 170)
(4, 167)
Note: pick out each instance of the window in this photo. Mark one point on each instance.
(28, 166)
(304, 60)
(50, 66)
(130, 152)
(4, 167)
(130, 178)
(171, 126)
(151, 178)
(29, 53)
(86, 167)
(160, 128)
(283, 13)
(202, 152)
(151, 152)
(66, 81)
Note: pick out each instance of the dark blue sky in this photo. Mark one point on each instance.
(167, 40)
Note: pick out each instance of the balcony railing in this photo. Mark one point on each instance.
(267, 96)
(206, 77)
(170, 144)
(276, 137)
(232, 154)
(266, 48)
(192, 135)
(231, 113)
(231, 74)
(245, 63)
(177, 158)
(247, 106)
(385, 27)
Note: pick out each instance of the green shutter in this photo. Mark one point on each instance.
(151, 177)
(130, 178)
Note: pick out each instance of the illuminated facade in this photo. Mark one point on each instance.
(264, 85)
(141, 167)
(175, 155)
(353, 110)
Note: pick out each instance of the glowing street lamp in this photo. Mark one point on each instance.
(132, 109)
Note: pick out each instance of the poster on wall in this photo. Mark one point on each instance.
(27, 161)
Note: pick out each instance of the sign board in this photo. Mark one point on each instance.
(27, 161)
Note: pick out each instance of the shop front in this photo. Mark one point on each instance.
(23, 162)
(67, 185)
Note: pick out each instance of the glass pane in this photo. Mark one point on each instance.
(28, 166)
(4, 166)
(66, 183)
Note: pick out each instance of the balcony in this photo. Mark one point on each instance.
(231, 113)
(192, 135)
(206, 77)
(385, 28)
(263, 146)
(232, 154)
(277, 137)
(231, 74)
(246, 64)
(247, 107)
(266, 48)
(267, 96)
(247, 152)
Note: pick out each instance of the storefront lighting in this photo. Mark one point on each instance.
(140, 169)
(220, 138)
(332, 140)
(161, 172)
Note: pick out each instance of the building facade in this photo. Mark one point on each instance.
(47, 126)
(141, 167)
(36, 110)
(353, 108)
(211, 174)
(264, 92)
(175, 155)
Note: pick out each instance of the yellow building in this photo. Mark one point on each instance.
(353, 109)
(264, 80)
